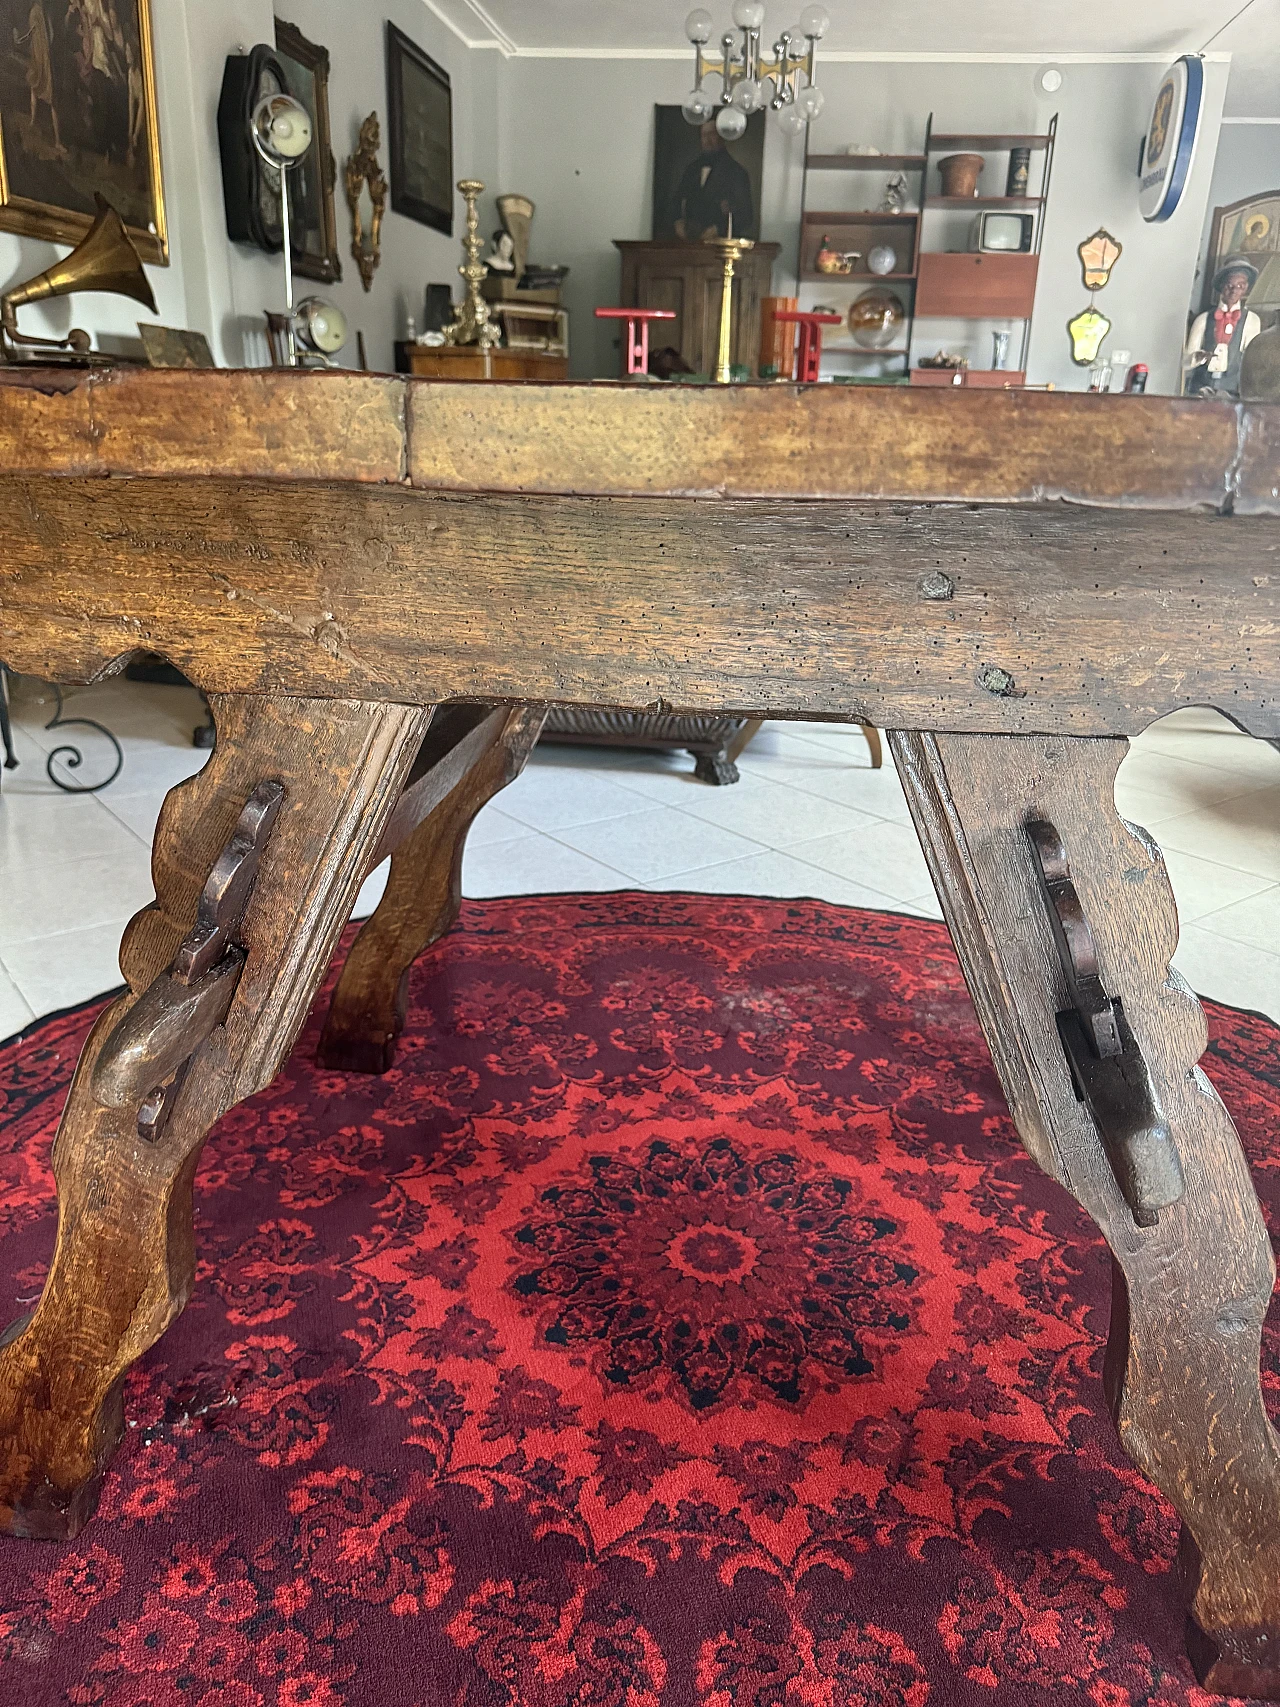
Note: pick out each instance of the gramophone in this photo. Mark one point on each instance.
(107, 261)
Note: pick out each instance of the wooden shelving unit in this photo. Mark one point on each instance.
(968, 286)
(900, 230)
(937, 283)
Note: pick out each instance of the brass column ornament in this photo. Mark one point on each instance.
(732, 249)
(473, 325)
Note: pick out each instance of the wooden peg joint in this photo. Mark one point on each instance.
(144, 1061)
(1107, 1067)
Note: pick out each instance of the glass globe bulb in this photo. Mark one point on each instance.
(747, 95)
(815, 21)
(748, 14)
(731, 123)
(281, 129)
(697, 107)
(791, 120)
(698, 25)
(811, 101)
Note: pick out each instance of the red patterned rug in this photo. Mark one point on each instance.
(678, 1325)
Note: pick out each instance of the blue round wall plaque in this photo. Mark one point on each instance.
(1171, 141)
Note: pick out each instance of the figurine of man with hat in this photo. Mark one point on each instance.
(1219, 337)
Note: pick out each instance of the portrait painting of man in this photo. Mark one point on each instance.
(701, 182)
(78, 118)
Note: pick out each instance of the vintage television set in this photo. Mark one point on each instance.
(1003, 233)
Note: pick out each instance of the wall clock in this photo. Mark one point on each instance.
(250, 189)
(1170, 145)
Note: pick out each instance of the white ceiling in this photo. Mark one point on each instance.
(1047, 29)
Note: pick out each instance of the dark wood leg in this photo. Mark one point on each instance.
(1193, 1286)
(716, 768)
(872, 736)
(468, 756)
(6, 732)
(330, 772)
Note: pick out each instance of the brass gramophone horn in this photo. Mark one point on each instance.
(106, 260)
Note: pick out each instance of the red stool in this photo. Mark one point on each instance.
(637, 342)
(810, 339)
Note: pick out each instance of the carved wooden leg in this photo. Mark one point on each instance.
(1193, 1286)
(245, 951)
(467, 757)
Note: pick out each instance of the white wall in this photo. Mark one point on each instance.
(577, 136)
(222, 289)
(581, 145)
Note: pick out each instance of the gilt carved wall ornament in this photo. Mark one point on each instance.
(365, 182)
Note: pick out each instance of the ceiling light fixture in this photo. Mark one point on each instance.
(748, 82)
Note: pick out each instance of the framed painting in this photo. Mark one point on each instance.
(1250, 228)
(78, 115)
(420, 104)
(701, 182)
(311, 182)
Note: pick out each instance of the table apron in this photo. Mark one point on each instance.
(1003, 619)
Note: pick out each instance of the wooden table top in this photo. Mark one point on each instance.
(651, 548)
(618, 439)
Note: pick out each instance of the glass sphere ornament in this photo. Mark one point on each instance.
(747, 95)
(281, 129)
(876, 318)
(882, 259)
(731, 123)
(791, 121)
(811, 101)
(697, 107)
(699, 25)
(748, 14)
(815, 21)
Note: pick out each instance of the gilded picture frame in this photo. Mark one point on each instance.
(79, 114)
(313, 180)
(1250, 228)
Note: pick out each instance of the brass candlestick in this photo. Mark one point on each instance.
(473, 325)
(731, 250)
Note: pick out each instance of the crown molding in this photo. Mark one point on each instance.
(496, 40)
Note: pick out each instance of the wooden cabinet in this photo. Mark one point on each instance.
(687, 278)
(969, 379)
(468, 361)
(977, 287)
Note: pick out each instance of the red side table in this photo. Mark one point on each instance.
(810, 339)
(637, 340)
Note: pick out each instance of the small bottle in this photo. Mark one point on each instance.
(1136, 383)
(411, 330)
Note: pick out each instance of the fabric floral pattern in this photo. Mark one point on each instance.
(679, 1323)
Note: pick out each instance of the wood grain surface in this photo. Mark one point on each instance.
(123, 1265)
(424, 887)
(987, 618)
(779, 441)
(1192, 1290)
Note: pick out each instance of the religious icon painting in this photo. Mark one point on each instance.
(78, 118)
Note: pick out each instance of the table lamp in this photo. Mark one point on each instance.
(281, 132)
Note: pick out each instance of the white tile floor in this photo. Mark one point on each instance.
(808, 818)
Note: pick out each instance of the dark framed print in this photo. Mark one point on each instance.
(420, 103)
(311, 182)
(78, 116)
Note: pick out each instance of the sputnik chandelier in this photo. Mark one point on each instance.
(748, 82)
